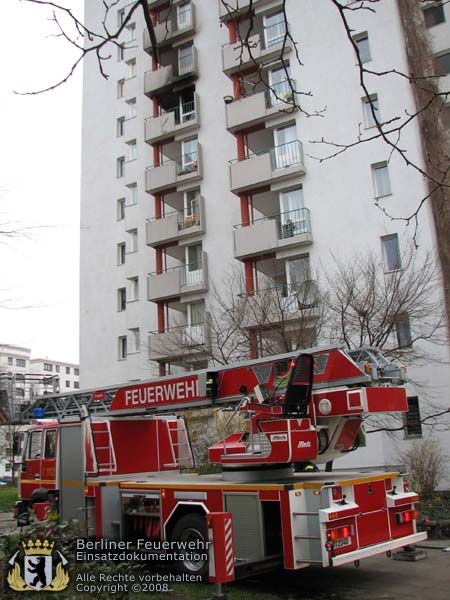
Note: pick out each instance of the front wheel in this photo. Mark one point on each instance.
(191, 528)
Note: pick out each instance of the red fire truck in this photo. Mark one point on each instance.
(114, 459)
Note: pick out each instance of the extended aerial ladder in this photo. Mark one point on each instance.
(299, 408)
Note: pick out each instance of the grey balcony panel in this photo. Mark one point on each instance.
(172, 122)
(178, 343)
(161, 177)
(155, 80)
(255, 239)
(160, 127)
(162, 230)
(164, 285)
(235, 56)
(175, 226)
(246, 111)
(252, 172)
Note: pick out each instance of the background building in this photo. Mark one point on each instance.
(206, 171)
(23, 378)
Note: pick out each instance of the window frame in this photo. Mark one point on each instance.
(379, 190)
(387, 248)
(364, 53)
(413, 413)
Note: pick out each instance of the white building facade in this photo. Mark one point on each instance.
(194, 165)
(23, 378)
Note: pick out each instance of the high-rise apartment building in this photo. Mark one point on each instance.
(196, 167)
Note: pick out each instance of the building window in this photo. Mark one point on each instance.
(120, 52)
(121, 16)
(121, 209)
(48, 367)
(67, 384)
(120, 167)
(133, 194)
(134, 341)
(442, 63)
(131, 32)
(10, 360)
(391, 252)
(434, 15)
(133, 289)
(76, 372)
(132, 150)
(274, 29)
(121, 253)
(121, 299)
(67, 370)
(57, 368)
(370, 106)
(381, 181)
(132, 240)
(76, 385)
(132, 108)
(122, 347)
(413, 425)
(362, 44)
(20, 362)
(120, 126)
(131, 64)
(185, 59)
(120, 88)
(403, 330)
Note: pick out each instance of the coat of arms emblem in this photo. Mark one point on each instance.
(38, 569)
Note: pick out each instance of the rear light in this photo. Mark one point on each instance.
(340, 536)
(406, 517)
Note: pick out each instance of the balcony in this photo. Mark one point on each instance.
(178, 281)
(270, 234)
(294, 306)
(269, 45)
(161, 80)
(266, 167)
(176, 225)
(169, 123)
(178, 343)
(172, 28)
(261, 106)
(173, 172)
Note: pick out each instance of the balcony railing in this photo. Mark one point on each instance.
(280, 92)
(289, 224)
(265, 166)
(178, 341)
(190, 273)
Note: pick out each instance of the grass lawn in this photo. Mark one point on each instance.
(8, 495)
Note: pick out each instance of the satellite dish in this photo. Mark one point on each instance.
(307, 294)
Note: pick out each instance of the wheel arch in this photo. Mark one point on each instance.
(182, 509)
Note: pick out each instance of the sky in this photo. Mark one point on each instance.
(39, 185)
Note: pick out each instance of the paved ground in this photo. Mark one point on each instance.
(378, 578)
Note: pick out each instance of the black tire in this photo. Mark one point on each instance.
(190, 528)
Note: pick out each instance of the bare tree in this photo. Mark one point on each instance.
(395, 311)
(239, 325)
